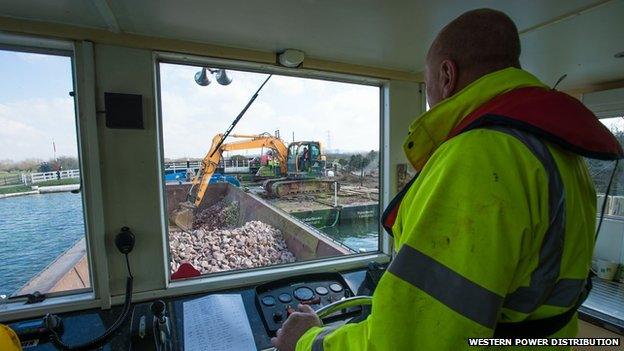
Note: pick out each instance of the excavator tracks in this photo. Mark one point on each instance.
(284, 186)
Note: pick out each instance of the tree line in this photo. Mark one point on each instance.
(39, 165)
(356, 161)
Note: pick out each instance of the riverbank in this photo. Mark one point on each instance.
(34, 190)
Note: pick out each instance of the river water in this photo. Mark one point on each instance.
(34, 231)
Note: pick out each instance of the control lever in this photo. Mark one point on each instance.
(327, 310)
(161, 326)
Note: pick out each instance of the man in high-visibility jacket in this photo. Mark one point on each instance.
(494, 236)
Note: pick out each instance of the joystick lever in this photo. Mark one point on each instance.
(161, 326)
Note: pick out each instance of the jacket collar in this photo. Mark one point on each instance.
(432, 128)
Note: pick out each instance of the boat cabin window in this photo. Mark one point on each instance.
(601, 172)
(42, 225)
(609, 248)
(289, 181)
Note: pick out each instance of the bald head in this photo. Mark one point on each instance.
(474, 44)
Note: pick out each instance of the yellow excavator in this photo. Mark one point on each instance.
(301, 165)
(211, 161)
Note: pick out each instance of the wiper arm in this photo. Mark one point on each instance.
(35, 297)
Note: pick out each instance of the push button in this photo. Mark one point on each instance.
(278, 316)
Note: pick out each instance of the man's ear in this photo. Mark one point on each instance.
(448, 78)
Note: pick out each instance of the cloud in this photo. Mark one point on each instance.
(29, 126)
(311, 108)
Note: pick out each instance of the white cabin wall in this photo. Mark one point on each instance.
(131, 155)
(405, 102)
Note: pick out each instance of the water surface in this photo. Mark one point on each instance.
(34, 231)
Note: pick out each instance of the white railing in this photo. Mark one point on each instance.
(182, 165)
(614, 206)
(229, 166)
(235, 166)
(37, 177)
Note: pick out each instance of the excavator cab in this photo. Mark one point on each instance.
(305, 159)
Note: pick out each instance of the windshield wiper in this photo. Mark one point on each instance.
(35, 297)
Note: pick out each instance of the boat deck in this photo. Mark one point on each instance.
(70, 271)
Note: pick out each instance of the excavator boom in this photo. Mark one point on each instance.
(215, 154)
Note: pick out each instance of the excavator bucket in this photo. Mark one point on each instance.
(184, 216)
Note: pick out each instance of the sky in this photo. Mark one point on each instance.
(36, 109)
(340, 115)
(35, 106)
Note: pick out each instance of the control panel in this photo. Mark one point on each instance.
(160, 324)
(277, 300)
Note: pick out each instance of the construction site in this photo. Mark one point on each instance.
(224, 213)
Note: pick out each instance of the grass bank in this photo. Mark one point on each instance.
(14, 189)
(24, 188)
(65, 181)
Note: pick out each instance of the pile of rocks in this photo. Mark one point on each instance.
(215, 245)
(218, 216)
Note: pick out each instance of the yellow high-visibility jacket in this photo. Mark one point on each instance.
(470, 233)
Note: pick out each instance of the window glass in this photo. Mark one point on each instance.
(307, 185)
(608, 257)
(601, 171)
(42, 227)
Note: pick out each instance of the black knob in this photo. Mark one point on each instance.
(158, 308)
(277, 316)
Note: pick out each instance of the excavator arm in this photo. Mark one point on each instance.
(213, 157)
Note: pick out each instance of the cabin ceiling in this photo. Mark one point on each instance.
(392, 34)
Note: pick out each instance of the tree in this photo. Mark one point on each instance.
(44, 167)
(66, 162)
(357, 161)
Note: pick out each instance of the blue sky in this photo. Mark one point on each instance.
(35, 109)
(35, 106)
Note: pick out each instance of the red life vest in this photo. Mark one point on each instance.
(551, 115)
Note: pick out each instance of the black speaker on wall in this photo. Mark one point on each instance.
(123, 111)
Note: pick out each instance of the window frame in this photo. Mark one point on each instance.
(230, 279)
(81, 61)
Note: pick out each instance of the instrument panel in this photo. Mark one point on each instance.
(262, 304)
(277, 300)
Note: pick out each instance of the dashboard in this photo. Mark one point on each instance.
(267, 306)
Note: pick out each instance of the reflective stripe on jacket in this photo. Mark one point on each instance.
(471, 234)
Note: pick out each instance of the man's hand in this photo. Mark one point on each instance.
(294, 327)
